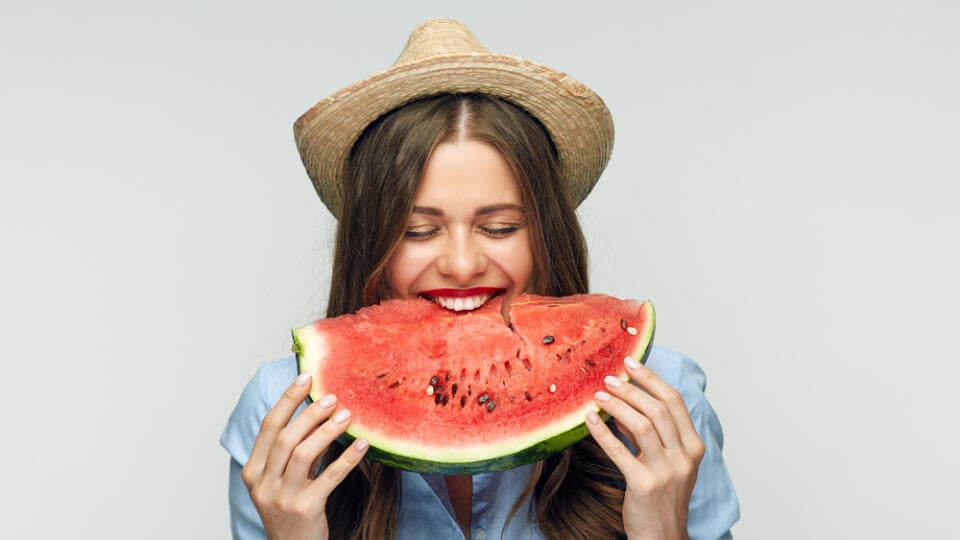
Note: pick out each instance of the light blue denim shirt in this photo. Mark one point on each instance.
(425, 509)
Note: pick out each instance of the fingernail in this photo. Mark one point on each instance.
(631, 363)
(592, 417)
(361, 445)
(341, 416)
(613, 382)
(327, 400)
(302, 378)
(602, 396)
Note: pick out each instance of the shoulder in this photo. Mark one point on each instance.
(688, 378)
(259, 396)
(714, 507)
(679, 371)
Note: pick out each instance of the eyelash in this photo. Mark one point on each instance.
(506, 230)
(420, 234)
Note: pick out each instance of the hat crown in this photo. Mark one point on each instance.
(439, 37)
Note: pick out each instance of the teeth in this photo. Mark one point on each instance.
(463, 304)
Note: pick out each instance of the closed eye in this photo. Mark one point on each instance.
(499, 230)
(421, 232)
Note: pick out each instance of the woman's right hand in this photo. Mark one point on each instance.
(279, 473)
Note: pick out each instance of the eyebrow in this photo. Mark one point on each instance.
(481, 211)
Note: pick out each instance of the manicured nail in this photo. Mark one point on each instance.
(327, 400)
(602, 396)
(361, 445)
(302, 378)
(613, 382)
(341, 416)
(592, 417)
(631, 363)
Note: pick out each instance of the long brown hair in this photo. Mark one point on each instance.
(577, 493)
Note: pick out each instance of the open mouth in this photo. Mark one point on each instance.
(462, 299)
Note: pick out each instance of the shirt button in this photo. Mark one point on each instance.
(478, 534)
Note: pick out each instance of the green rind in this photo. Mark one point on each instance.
(537, 450)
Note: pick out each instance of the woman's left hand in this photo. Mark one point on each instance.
(660, 476)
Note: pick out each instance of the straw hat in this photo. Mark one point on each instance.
(442, 56)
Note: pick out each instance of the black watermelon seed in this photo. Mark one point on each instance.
(623, 324)
(548, 339)
(463, 401)
(482, 399)
(527, 395)
(446, 376)
(444, 400)
(437, 398)
(394, 384)
(434, 380)
(590, 362)
(491, 405)
(382, 375)
(453, 389)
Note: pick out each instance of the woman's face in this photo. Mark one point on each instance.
(467, 237)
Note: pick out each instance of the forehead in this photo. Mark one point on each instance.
(467, 170)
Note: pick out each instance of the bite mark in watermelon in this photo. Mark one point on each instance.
(446, 392)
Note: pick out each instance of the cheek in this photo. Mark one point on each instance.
(403, 269)
(517, 262)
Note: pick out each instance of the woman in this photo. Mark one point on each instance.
(458, 172)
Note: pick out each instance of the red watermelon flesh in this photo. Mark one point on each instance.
(433, 390)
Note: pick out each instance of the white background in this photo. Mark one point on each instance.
(782, 188)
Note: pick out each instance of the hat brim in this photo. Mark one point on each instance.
(577, 120)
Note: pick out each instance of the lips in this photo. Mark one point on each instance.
(461, 299)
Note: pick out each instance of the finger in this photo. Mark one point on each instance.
(653, 409)
(305, 455)
(637, 427)
(296, 431)
(645, 378)
(276, 419)
(338, 470)
(619, 454)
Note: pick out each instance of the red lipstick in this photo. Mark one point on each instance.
(460, 293)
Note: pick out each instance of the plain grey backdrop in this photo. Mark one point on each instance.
(782, 187)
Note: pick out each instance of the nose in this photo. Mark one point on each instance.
(462, 259)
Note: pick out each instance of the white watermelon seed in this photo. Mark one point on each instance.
(430, 390)
(553, 388)
(631, 330)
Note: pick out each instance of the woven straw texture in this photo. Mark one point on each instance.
(443, 56)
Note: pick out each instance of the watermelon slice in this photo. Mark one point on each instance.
(446, 392)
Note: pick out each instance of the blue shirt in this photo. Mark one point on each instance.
(425, 510)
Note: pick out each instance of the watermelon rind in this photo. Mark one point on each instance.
(529, 447)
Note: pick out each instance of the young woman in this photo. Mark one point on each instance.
(454, 176)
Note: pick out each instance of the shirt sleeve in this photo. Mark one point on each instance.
(714, 507)
(259, 396)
